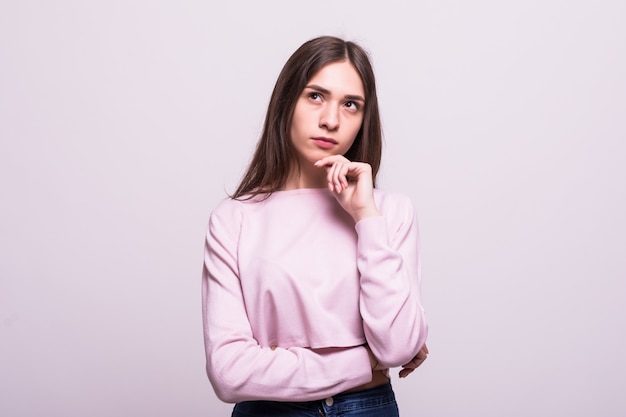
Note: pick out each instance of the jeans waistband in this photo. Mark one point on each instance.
(367, 398)
(378, 401)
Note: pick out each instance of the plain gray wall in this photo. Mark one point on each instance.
(123, 123)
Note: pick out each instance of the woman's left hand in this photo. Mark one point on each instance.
(421, 356)
(352, 185)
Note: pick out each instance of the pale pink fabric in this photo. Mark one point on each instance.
(294, 272)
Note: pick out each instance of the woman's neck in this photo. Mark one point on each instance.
(300, 177)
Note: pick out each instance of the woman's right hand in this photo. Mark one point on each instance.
(409, 367)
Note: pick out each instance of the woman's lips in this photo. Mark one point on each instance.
(325, 143)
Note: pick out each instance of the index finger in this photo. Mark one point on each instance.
(330, 160)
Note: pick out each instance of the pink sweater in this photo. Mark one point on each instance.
(292, 289)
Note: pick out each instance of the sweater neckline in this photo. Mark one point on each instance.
(322, 190)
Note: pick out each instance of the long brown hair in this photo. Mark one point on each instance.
(274, 155)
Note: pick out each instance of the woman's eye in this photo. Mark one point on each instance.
(315, 96)
(352, 105)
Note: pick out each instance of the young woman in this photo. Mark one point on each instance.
(311, 286)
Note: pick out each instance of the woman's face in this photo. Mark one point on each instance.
(328, 113)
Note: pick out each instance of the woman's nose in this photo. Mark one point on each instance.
(329, 117)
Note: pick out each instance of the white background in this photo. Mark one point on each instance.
(123, 123)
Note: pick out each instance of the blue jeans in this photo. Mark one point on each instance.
(374, 402)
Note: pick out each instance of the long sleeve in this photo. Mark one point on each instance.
(238, 367)
(390, 299)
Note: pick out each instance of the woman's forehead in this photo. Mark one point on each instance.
(338, 78)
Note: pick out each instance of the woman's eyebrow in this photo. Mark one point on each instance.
(326, 91)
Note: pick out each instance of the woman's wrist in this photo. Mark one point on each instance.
(373, 360)
(365, 213)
